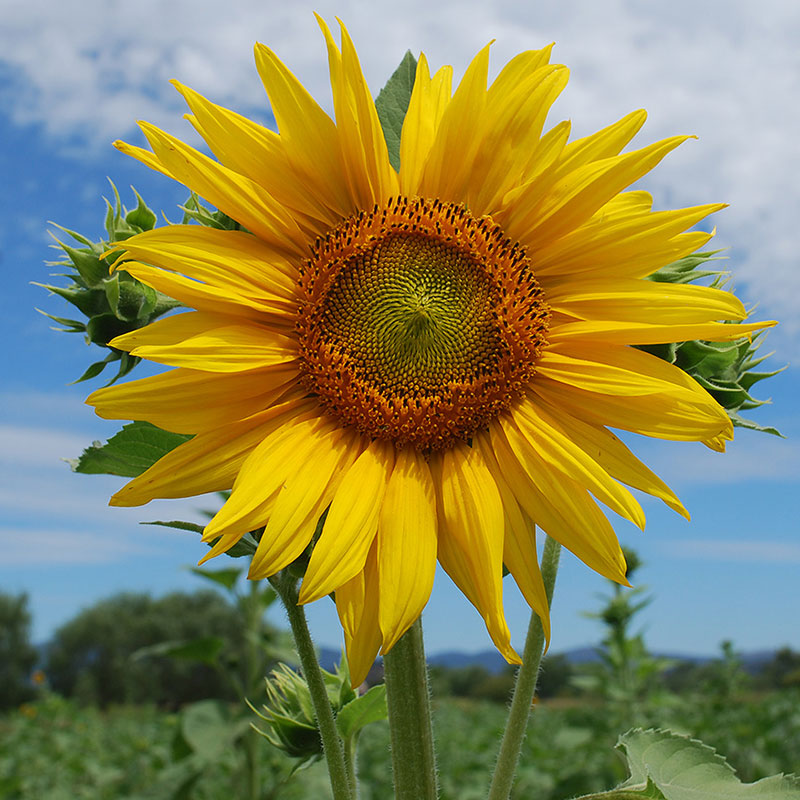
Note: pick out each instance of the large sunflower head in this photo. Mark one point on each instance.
(432, 355)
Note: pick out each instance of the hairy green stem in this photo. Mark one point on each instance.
(286, 587)
(527, 675)
(408, 700)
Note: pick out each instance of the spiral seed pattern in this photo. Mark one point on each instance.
(418, 322)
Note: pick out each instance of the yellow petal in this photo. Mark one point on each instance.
(302, 498)
(519, 543)
(429, 99)
(258, 153)
(211, 460)
(233, 260)
(447, 170)
(351, 523)
(561, 507)
(239, 197)
(208, 342)
(550, 450)
(471, 537)
(613, 332)
(612, 455)
(276, 458)
(309, 137)
(406, 545)
(641, 301)
(366, 158)
(170, 400)
(357, 606)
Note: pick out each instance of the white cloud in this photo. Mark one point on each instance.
(728, 71)
(26, 547)
(756, 551)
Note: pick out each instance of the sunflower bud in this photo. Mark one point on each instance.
(112, 303)
(289, 713)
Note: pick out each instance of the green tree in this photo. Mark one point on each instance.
(17, 655)
(91, 656)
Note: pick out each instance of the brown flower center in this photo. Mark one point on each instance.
(418, 322)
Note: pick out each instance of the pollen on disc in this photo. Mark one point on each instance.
(419, 323)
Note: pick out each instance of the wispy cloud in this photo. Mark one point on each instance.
(85, 71)
(25, 547)
(755, 551)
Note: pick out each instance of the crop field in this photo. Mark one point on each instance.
(57, 750)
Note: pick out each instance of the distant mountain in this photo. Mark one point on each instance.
(492, 661)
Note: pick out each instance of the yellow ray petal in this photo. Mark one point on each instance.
(447, 170)
(605, 143)
(239, 197)
(519, 543)
(429, 99)
(233, 260)
(622, 242)
(258, 153)
(550, 450)
(211, 460)
(304, 495)
(351, 524)
(612, 455)
(515, 115)
(471, 537)
(208, 342)
(309, 137)
(560, 507)
(146, 157)
(170, 400)
(630, 300)
(214, 299)
(613, 332)
(357, 606)
(406, 545)
(277, 457)
(539, 219)
(366, 158)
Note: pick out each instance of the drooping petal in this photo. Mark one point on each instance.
(406, 545)
(357, 606)
(208, 342)
(351, 524)
(169, 400)
(471, 527)
(211, 460)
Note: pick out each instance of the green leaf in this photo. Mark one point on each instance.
(370, 707)
(204, 649)
(206, 730)
(680, 768)
(177, 523)
(223, 577)
(129, 452)
(392, 105)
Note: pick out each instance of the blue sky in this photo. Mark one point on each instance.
(75, 78)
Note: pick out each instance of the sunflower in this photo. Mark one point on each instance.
(433, 355)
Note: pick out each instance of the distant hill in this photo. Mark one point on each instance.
(492, 661)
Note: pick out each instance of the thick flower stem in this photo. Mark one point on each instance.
(286, 587)
(525, 686)
(408, 700)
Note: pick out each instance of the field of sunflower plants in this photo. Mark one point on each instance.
(402, 345)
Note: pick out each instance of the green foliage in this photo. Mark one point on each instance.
(727, 370)
(91, 657)
(665, 766)
(128, 452)
(392, 104)
(17, 656)
(782, 671)
(113, 303)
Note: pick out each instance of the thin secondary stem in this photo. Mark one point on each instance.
(408, 700)
(286, 587)
(525, 686)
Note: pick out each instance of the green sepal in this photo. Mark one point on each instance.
(392, 105)
(177, 524)
(195, 211)
(141, 217)
(129, 452)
